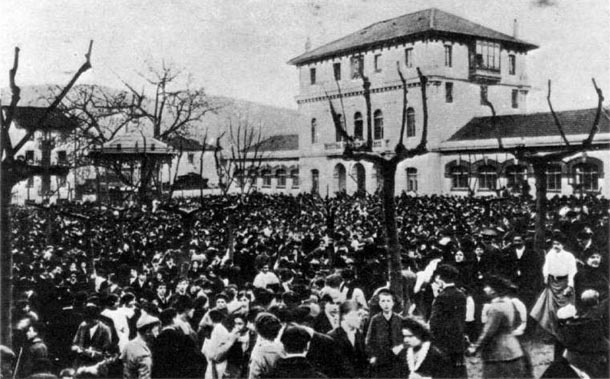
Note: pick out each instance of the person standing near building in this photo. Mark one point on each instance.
(558, 273)
(384, 338)
(137, 356)
(350, 341)
(448, 319)
(501, 351)
(294, 364)
(522, 266)
(36, 349)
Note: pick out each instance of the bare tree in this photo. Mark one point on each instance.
(386, 163)
(14, 171)
(241, 165)
(174, 108)
(540, 158)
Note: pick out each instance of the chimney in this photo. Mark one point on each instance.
(515, 29)
(308, 44)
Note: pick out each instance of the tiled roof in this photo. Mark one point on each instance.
(29, 118)
(430, 22)
(134, 143)
(187, 144)
(283, 142)
(531, 125)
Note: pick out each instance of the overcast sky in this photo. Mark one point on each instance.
(240, 48)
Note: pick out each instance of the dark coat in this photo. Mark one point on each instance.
(448, 319)
(435, 365)
(321, 324)
(175, 355)
(525, 272)
(487, 265)
(381, 337)
(588, 277)
(294, 367)
(323, 355)
(354, 363)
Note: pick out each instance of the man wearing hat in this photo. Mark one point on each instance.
(137, 357)
(294, 364)
(93, 338)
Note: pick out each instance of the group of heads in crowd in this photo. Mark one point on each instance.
(150, 259)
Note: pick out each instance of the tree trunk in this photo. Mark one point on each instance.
(391, 232)
(541, 207)
(6, 260)
(46, 147)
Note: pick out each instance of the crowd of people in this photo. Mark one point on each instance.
(276, 286)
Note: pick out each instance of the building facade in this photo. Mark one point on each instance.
(465, 64)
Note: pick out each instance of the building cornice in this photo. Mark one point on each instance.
(433, 80)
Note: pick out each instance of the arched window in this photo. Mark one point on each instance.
(266, 174)
(281, 177)
(585, 176)
(315, 181)
(358, 126)
(314, 130)
(410, 122)
(340, 176)
(359, 173)
(553, 177)
(411, 179)
(459, 177)
(378, 123)
(488, 177)
(515, 177)
(294, 175)
(338, 136)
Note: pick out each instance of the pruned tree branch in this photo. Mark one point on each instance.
(405, 91)
(85, 66)
(557, 123)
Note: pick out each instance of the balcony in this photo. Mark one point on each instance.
(485, 75)
(384, 143)
(335, 146)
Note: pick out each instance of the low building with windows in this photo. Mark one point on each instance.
(43, 148)
(273, 168)
(466, 64)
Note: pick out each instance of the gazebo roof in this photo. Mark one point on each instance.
(131, 145)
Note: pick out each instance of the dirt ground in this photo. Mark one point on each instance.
(541, 355)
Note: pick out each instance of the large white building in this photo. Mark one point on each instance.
(465, 63)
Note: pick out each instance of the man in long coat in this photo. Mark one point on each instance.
(448, 319)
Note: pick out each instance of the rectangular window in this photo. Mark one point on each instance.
(483, 95)
(191, 158)
(553, 177)
(409, 57)
(281, 178)
(62, 156)
(337, 70)
(378, 63)
(312, 75)
(448, 92)
(267, 178)
(487, 56)
(295, 178)
(411, 179)
(448, 56)
(515, 98)
(30, 182)
(511, 65)
(357, 65)
(29, 156)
